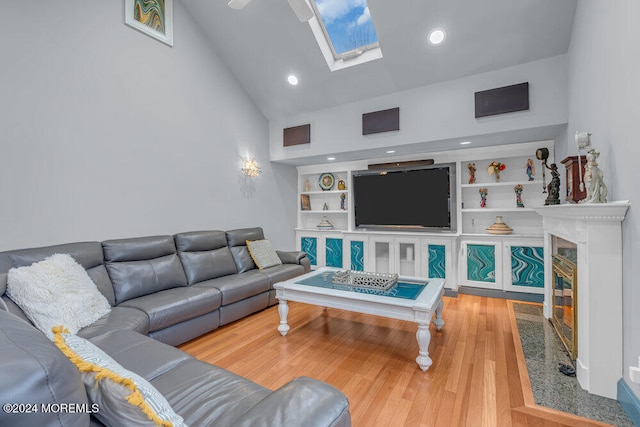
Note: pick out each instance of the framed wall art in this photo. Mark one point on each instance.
(152, 17)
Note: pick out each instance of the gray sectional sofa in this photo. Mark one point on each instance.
(163, 290)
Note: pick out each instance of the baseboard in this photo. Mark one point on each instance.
(629, 401)
(492, 293)
(450, 293)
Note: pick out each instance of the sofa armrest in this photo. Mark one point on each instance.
(301, 402)
(292, 257)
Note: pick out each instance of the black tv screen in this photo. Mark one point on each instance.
(410, 199)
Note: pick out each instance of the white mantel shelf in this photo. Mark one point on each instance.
(596, 229)
(613, 211)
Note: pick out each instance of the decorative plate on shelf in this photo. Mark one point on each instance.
(326, 181)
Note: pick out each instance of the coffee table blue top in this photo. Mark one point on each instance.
(403, 289)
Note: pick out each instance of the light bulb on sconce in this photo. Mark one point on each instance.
(250, 167)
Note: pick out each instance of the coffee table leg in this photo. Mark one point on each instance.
(424, 337)
(438, 320)
(283, 311)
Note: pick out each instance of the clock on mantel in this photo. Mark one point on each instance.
(574, 194)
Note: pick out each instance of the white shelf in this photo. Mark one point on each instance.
(325, 212)
(512, 235)
(501, 184)
(321, 230)
(499, 210)
(325, 192)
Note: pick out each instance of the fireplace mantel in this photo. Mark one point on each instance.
(596, 229)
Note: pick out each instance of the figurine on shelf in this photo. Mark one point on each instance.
(325, 207)
(596, 189)
(341, 185)
(495, 168)
(307, 186)
(342, 200)
(554, 186)
(518, 190)
(530, 170)
(483, 197)
(472, 172)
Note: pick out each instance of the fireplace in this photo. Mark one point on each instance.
(564, 258)
(583, 287)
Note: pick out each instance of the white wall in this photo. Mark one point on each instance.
(604, 88)
(108, 133)
(435, 112)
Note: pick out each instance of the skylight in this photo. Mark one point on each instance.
(347, 26)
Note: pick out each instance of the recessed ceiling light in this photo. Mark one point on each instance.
(465, 143)
(293, 80)
(437, 36)
(331, 158)
(391, 151)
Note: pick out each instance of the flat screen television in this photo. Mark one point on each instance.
(410, 199)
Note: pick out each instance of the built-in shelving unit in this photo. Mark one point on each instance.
(501, 196)
(467, 254)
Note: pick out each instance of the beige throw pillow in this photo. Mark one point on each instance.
(263, 254)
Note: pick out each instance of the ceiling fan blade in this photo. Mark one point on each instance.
(302, 10)
(238, 4)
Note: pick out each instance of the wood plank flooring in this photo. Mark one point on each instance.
(478, 376)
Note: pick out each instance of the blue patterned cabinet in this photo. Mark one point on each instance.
(437, 266)
(333, 252)
(356, 254)
(482, 264)
(310, 246)
(525, 268)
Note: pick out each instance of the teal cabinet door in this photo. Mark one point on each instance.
(357, 255)
(333, 252)
(310, 246)
(481, 263)
(437, 261)
(527, 266)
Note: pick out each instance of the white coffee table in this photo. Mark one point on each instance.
(315, 288)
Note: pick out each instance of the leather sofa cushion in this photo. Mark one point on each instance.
(205, 255)
(280, 273)
(238, 286)
(189, 329)
(142, 265)
(171, 306)
(132, 279)
(301, 402)
(138, 248)
(140, 354)
(206, 395)
(87, 254)
(237, 241)
(197, 241)
(126, 318)
(34, 371)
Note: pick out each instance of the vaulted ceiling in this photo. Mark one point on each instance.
(264, 42)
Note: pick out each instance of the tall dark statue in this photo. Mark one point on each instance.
(554, 186)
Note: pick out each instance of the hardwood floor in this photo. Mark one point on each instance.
(478, 376)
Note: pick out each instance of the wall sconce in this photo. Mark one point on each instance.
(250, 167)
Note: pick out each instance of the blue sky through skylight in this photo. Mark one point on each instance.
(348, 23)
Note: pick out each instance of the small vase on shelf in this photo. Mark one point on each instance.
(495, 168)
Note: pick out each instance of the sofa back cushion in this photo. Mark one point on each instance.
(205, 255)
(87, 254)
(34, 371)
(237, 241)
(142, 266)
